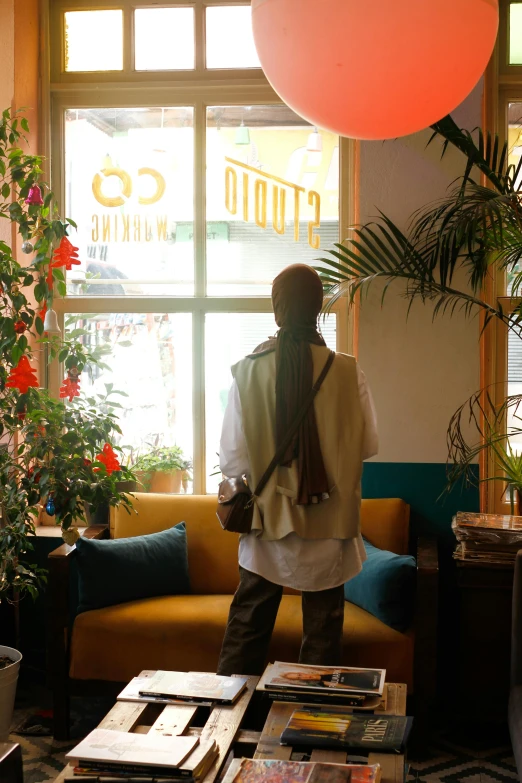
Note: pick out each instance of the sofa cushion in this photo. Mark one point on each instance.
(385, 587)
(185, 633)
(114, 571)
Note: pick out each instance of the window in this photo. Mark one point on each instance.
(192, 186)
(502, 351)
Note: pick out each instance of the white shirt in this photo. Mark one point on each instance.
(293, 561)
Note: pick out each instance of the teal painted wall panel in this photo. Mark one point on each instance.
(420, 484)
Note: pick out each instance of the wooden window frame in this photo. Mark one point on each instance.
(199, 88)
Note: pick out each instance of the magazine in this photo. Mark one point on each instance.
(327, 727)
(323, 679)
(127, 752)
(275, 771)
(132, 692)
(195, 686)
(191, 770)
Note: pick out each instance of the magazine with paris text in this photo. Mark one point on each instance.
(275, 771)
(328, 727)
(326, 679)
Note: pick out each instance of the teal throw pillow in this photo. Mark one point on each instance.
(126, 569)
(385, 587)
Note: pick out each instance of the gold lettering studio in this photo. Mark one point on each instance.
(259, 208)
(257, 189)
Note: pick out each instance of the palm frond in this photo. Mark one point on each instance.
(484, 156)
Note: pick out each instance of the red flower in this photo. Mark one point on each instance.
(87, 462)
(22, 376)
(109, 459)
(66, 254)
(20, 327)
(21, 415)
(70, 388)
(42, 312)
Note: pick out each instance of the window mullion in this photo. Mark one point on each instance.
(198, 402)
(200, 287)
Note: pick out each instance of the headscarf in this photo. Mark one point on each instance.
(297, 298)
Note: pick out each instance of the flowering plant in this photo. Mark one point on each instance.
(54, 454)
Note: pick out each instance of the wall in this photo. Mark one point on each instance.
(419, 369)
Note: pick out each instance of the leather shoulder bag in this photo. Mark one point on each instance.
(235, 509)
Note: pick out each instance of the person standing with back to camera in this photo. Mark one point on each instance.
(306, 527)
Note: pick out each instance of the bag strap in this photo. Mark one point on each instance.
(294, 427)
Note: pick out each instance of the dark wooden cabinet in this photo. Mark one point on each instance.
(483, 646)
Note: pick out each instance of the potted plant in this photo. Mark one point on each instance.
(164, 469)
(55, 454)
(470, 234)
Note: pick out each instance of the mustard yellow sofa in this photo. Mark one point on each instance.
(184, 632)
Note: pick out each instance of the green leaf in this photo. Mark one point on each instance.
(6, 189)
(24, 124)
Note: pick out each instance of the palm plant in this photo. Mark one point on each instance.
(474, 230)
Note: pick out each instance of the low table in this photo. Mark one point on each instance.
(392, 764)
(223, 726)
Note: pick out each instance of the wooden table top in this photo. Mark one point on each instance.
(222, 725)
(392, 764)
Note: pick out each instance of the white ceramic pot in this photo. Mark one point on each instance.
(8, 680)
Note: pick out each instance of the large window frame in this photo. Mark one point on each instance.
(503, 85)
(199, 88)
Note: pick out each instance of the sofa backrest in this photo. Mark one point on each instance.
(212, 553)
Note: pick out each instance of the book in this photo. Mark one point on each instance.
(123, 751)
(322, 679)
(132, 692)
(195, 686)
(193, 769)
(276, 771)
(326, 727)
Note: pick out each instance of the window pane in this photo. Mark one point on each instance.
(150, 360)
(514, 387)
(93, 40)
(272, 195)
(230, 42)
(229, 337)
(515, 33)
(515, 153)
(164, 39)
(129, 187)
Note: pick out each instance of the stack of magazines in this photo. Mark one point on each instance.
(487, 538)
(344, 686)
(275, 771)
(196, 688)
(105, 754)
(331, 727)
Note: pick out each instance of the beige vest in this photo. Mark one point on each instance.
(341, 429)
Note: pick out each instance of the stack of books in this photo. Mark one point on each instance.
(342, 686)
(196, 688)
(119, 755)
(487, 538)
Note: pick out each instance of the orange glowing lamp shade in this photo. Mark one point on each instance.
(22, 376)
(374, 69)
(109, 458)
(66, 254)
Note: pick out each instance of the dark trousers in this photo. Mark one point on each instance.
(252, 618)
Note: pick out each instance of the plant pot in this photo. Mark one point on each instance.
(142, 480)
(127, 486)
(170, 483)
(8, 680)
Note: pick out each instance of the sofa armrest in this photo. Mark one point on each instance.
(58, 603)
(58, 627)
(426, 621)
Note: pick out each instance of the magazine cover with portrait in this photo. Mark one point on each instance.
(340, 679)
